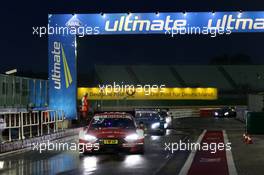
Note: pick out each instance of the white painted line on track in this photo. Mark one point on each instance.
(188, 163)
(229, 157)
(168, 158)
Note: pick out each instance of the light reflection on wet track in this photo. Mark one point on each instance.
(69, 162)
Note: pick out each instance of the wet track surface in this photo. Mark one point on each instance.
(155, 160)
(70, 162)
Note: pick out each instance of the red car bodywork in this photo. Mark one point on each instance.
(116, 136)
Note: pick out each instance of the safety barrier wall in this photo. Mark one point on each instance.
(183, 113)
(254, 123)
(177, 112)
(207, 112)
(22, 125)
(242, 113)
(60, 137)
(132, 107)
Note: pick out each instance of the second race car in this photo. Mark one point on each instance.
(152, 120)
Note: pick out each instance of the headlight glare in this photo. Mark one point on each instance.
(131, 137)
(90, 138)
(155, 125)
(168, 119)
(166, 125)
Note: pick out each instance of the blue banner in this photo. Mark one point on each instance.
(62, 74)
(143, 23)
(63, 29)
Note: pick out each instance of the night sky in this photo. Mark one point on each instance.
(21, 50)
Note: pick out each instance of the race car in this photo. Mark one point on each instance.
(225, 112)
(152, 121)
(112, 131)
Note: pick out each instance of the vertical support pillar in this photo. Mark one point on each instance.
(22, 125)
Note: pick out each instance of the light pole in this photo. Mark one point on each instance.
(11, 72)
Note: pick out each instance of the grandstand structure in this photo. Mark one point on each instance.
(233, 82)
(21, 92)
(228, 79)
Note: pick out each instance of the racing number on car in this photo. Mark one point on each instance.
(110, 142)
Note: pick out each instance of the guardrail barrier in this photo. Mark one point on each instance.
(183, 113)
(12, 124)
(30, 120)
(23, 125)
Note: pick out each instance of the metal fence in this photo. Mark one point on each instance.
(23, 125)
(21, 92)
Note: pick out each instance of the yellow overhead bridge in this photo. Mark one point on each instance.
(149, 94)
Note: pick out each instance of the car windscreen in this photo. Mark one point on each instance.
(107, 122)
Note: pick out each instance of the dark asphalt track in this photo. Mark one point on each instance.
(70, 162)
(155, 160)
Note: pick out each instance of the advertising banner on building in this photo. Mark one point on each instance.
(140, 94)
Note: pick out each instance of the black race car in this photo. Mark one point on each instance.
(152, 121)
(225, 112)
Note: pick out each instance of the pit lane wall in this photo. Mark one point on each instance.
(253, 116)
(174, 111)
(255, 102)
(255, 122)
(27, 144)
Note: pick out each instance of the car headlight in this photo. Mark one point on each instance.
(226, 113)
(155, 125)
(131, 137)
(168, 119)
(216, 113)
(90, 138)
(166, 125)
